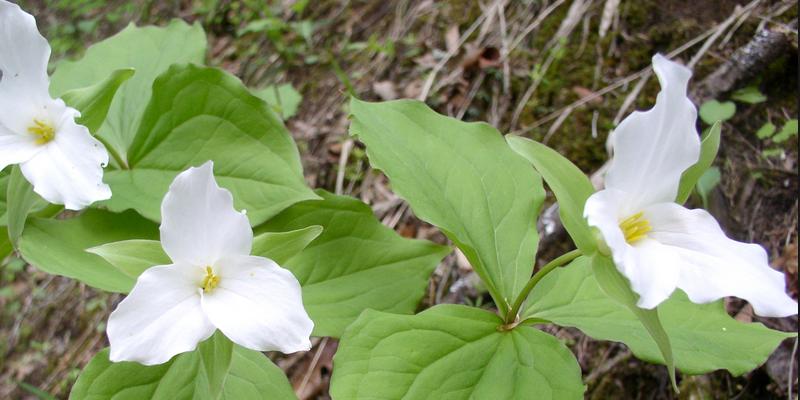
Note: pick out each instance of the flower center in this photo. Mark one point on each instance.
(210, 281)
(635, 227)
(44, 131)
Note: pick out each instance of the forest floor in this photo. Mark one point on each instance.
(561, 71)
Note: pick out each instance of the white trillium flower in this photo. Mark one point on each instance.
(213, 283)
(60, 158)
(658, 244)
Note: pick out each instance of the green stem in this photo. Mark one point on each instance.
(561, 260)
(114, 153)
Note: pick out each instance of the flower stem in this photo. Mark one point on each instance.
(559, 261)
(113, 152)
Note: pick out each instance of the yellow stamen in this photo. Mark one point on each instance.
(43, 130)
(635, 227)
(210, 281)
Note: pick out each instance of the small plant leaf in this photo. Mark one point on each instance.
(750, 95)
(766, 130)
(713, 111)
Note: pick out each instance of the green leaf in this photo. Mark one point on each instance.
(198, 114)
(58, 246)
(704, 337)
(94, 101)
(789, 129)
(708, 152)
(39, 393)
(217, 370)
(569, 184)
(21, 201)
(133, 257)
(4, 177)
(282, 246)
(707, 183)
(750, 95)
(150, 51)
(766, 130)
(450, 352)
(618, 288)
(713, 111)
(283, 99)
(463, 178)
(355, 264)
(773, 152)
(5, 247)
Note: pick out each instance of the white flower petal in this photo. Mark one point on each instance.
(23, 83)
(654, 147)
(714, 266)
(258, 305)
(653, 270)
(650, 268)
(161, 317)
(16, 148)
(69, 169)
(198, 222)
(25, 54)
(603, 210)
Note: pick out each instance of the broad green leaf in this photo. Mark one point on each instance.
(21, 201)
(569, 184)
(133, 257)
(707, 183)
(750, 95)
(283, 99)
(58, 246)
(94, 101)
(708, 152)
(282, 246)
(614, 284)
(789, 129)
(217, 370)
(704, 337)
(766, 130)
(355, 264)
(463, 178)
(713, 111)
(148, 50)
(198, 114)
(451, 352)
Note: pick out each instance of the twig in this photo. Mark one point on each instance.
(746, 62)
(607, 366)
(313, 365)
(609, 11)
(504, 49)
(719, 30)
(535, 24)
(574, 14)
(612, 87)
(345, 154)
(556, 125)
(438, 67)
(632, 96)
(473, 91)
